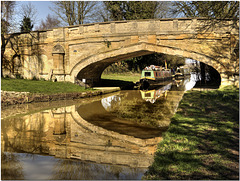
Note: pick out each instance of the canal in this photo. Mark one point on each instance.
(113, 136)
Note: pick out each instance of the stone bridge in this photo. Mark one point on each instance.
(84, 51)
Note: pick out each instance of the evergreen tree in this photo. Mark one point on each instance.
(116, 9)
(29, 10)
(141, 10)
(133, 10)
(26, 25)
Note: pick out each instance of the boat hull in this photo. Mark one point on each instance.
(150, 83)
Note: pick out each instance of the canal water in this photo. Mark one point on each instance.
(112, 137)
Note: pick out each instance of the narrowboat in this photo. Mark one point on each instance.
(153, 75)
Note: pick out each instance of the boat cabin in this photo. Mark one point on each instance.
(155, 72)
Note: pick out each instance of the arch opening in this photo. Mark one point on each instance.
(92, 73)
(209, 76)
(92, 67)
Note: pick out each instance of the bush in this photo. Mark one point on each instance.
(7, 77)
(34, 78)
(19, 76)
(42, 79)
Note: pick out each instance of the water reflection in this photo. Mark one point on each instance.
(74, 170)
(11, 167)
(153, 95)
(191, 82)
(62, 132)
(118, 134)
(110, 119)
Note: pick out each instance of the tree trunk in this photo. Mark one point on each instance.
(2, 52)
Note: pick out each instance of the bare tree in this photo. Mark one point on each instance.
(210, 9)
(49, 23)
(163, 10)
(74, 12)
(7, 9)
(85, 11)
(29, 11)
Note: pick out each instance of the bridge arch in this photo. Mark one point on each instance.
(92, 67)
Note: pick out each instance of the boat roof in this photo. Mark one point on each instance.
(154, 67)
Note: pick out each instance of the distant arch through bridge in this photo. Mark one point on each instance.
(84, 51)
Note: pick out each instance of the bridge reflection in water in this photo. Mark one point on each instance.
(106, 131)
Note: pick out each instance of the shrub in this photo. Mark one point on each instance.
(19, 76)
(34, 78)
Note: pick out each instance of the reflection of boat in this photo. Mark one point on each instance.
(153, 95)
(153, 75)
(181, 72)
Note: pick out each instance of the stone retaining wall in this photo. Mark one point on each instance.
(11, 97)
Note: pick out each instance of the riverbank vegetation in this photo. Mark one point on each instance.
(202, 141)
(37, 86)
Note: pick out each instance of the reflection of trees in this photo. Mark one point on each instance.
(142, 112)
(74, 170)
(11, 167)
(23, 134)
(78, 170)
(133, 108)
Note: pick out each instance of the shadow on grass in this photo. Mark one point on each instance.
(124, 85)
(203, 139)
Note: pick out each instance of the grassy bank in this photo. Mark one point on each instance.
(48, 87)
(130, 77)
(33, 86)
(202, 141)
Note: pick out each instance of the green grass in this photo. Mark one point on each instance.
(202, 141)
(34, 86)
(130, 77)
(47, 87)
